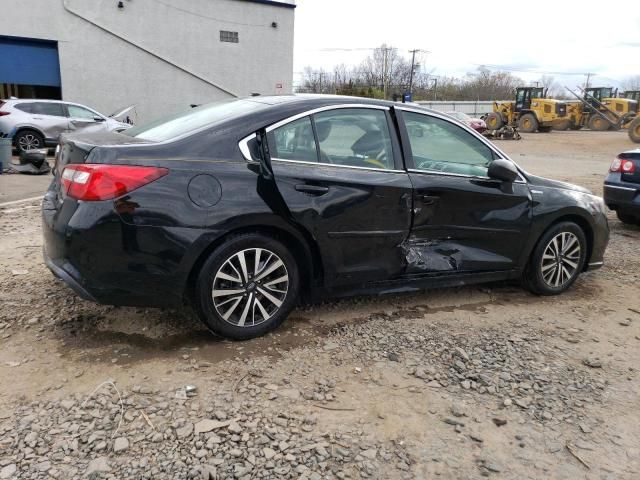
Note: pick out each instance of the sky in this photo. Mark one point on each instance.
(527, 38)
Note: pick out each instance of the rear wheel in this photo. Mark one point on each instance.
(247, 287)
(634, 130)
(598, 123)
(557, 259)
(27, 140)
(629, 219)
(528, 123)
(494, 121)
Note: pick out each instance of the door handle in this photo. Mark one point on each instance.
(312, 189)
(428, 199)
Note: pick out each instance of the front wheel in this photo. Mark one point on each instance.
(628, 219)
(557, 259)
(528, 123)
(247, 287)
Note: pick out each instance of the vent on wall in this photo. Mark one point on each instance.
(226, 36)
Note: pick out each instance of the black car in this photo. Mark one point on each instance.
(243, 208)
(622, 187)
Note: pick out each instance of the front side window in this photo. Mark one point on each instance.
(440, 146)
(79, 112)
(293, 141)
(356, 137)
(46, 108)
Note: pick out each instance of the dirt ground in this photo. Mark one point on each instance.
(457, 383)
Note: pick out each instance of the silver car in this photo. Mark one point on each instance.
(35, 123)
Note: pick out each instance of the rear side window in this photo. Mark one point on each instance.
(25, 107)
(51, 109)
(293, 141)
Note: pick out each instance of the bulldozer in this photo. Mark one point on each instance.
(600, 109)
(531, 111)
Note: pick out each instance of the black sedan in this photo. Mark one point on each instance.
(622, 187)
(243, 208)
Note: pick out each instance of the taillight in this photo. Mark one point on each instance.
(4, 114)
(92, 182)
(621, 165)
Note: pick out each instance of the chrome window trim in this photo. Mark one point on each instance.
(491, 146)
(621, 188)
(243, 145)
(341, 106)
(302, 162)
(461, 175)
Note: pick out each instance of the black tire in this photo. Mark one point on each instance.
(575, 127)
(28, 138)
(598, 124)
(562, 125)
(494, 121)
(628, 219)
(252, 300)
(634, 130)
(544, 129)
(536, 276)
(528, 123)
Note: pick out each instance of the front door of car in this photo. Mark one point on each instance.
(464, 221)
(51, 119)
(80, 117)
(339, 173)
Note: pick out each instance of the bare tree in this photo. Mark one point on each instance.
(631, 83)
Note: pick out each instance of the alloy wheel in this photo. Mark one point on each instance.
(28, 142)
(560, 259)
(250, 287)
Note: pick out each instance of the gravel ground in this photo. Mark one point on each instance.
(474, 382)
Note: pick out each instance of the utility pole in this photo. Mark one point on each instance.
(413, 62)
(586, 85)
(435, 88)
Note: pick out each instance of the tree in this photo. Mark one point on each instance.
(554, 89)
(631, 83)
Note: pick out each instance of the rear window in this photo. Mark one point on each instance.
(194, 119)
(25, 107)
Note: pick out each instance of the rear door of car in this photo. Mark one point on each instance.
(463, 221)
(340, 173)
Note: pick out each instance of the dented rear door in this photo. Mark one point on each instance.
(463, 221)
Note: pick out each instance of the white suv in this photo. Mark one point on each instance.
(35, 123)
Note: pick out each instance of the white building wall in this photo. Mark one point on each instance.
(162, 55)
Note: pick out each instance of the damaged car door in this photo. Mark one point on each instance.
(339, 172)
(464, 221)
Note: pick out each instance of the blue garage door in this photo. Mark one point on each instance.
(29, 62)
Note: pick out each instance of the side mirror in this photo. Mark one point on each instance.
(98, 119)
(504, 170)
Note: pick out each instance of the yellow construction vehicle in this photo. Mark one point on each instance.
(631, 94)
(599, 108)
(530, 111)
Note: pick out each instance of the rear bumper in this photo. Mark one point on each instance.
(621, 196)
(64, 272)
(107, 261)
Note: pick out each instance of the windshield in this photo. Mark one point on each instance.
(185, 122)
